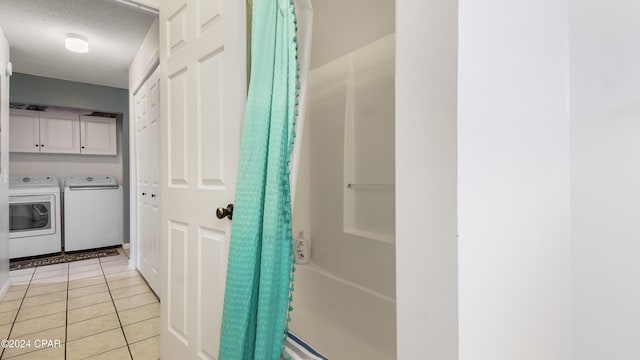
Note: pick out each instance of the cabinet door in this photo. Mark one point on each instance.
(98, 135)
(24, 131)
(59, 133)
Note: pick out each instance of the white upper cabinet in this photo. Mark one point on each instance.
(98, 135)
(59, 133)
(24, 131)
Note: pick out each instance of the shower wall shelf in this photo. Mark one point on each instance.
(356, 185)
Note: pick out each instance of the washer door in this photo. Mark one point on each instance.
(31, 215)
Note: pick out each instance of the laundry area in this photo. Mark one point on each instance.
(87, 209)
(70, 116)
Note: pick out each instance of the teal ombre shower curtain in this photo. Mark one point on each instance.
(259, 273)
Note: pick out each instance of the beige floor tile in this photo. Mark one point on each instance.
(4, 331)
(50, 274)
(33, 326)
(108, 259)
(47, 268)
(33, 312)
(9, 305)
(21, 280)
(88, 290)
(147, 349)
(8, 317)
(77, 303)
(117, 354)
(121, 275)
(92, 326)
(142, 330)
(74, 284)
(82, 263)
(46, 289)
(90, 312)
(13, 296)
(85, 268)
(51, 334)
(22, 272)
(139, 313)
(85, 275)
(44, 299)
(135, 301)
(130, 281)
(48, 353)
(95, 344)
(130, 291)
(122, 261)
(116, 269)
(50, 280)
(18, 288)
(15, 292)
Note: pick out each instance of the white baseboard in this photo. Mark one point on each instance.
(126, 245)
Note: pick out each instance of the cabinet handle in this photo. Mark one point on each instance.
(37, 145)
(144, 194)
(41, 145)
(153, 195)
(83, 147)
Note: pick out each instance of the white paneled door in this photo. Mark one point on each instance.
(203, 84)
(147, 121)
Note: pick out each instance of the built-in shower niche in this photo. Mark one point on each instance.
(369, 165)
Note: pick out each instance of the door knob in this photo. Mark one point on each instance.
(222, 213)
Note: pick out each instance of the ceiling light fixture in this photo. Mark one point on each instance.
(76, 44)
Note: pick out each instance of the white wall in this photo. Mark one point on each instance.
(426, 255)
(340, 26)
(605, 177)
(145, 60)
(63, 165)
(4, 166)
(513, 181)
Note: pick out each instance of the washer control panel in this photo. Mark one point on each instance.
(32, 180)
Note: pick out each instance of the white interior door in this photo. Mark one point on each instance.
(203, 84)
(147, 107)
(142, 193)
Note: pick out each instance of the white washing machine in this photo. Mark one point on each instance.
(92, 212)
(34, 216)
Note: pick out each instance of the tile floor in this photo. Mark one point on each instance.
(97, 309)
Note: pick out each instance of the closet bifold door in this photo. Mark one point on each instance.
(147, 117)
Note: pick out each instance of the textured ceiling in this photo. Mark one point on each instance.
(36, 30)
